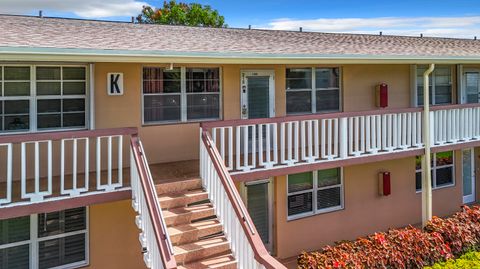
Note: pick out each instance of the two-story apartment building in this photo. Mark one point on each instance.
(254, 143)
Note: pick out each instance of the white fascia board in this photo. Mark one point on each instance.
(139, 56)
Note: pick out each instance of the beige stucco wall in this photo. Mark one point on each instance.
(173, 142)
(113, 238)
(365, 212)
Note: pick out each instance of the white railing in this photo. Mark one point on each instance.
(154, 238)
(246, 145)
(459, 124)
(60, 160)
(246, 245)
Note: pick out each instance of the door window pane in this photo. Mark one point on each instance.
(258, 97)
(258, 207)
(467, 174)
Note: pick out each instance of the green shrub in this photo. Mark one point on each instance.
(467, 261)
(441, 240)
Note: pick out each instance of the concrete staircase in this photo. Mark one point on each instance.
(196, 234)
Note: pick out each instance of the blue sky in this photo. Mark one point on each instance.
(452, 18)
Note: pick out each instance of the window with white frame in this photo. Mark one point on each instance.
(314, 192)
(312, 90)
(181, 94)
(442, 170)
(37, 98)
(47, 240)
(440, 82)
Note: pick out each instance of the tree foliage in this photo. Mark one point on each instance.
(174, 13)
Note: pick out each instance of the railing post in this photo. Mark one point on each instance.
(343, 138)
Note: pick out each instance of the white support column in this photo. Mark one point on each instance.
(426, 163)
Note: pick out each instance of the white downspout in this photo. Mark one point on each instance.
(426, 159)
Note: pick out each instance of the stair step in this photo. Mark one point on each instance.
(217, 262)
(178, 199)
(179, 186)
(187, 233)
(185, 215)
(201, 249)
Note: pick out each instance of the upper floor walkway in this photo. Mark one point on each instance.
(51, 167)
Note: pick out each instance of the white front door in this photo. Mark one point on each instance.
(471, 88)
(468, 176)
(258, 197)
(257, 94)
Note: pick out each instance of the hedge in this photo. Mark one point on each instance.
(440, 240)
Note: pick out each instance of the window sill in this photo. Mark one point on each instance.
(319, 212)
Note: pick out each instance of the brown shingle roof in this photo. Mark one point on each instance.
(58, 33)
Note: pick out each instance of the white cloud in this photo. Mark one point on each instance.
(81, 8)
(460, 27)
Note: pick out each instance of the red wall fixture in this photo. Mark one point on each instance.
(384, 184)
(381, 95)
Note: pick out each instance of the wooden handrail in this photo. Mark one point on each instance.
(32, 137)
(154, 209)
(261, 254)
(237, 122)
(458, 106)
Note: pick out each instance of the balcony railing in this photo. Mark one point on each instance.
(273, 143)
(44, 167)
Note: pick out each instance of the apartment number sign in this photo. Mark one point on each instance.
(115, 83)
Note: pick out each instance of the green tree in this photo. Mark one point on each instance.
(174, 13)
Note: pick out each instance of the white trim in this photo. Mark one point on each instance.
(471, 197)
(183, 97)
(434, 172)
(313, 90)
(244, 193)
(463, 79)
(34, 240)
(91, 90)
(313, 190)
(433, 101)
(33, 98)
(244, 93)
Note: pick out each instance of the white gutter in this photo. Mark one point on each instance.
(426, 162)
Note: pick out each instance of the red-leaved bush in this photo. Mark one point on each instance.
(409, 247)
